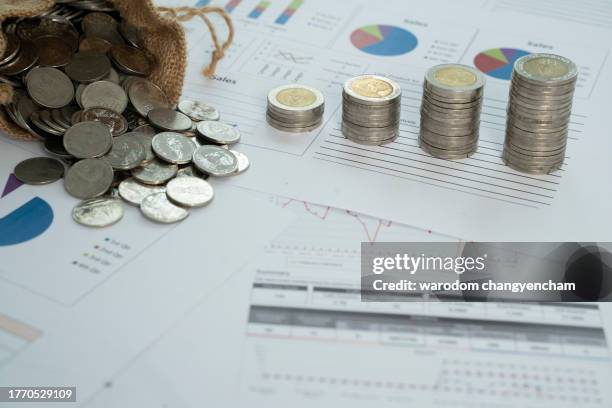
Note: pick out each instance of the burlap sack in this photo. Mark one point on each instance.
(164, 37)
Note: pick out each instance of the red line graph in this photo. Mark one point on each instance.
(373, 237)
(308, 207)
(322, 212)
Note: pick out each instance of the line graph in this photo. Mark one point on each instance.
(347, 227)
(371, 237)
(309, 208)
(291, 57)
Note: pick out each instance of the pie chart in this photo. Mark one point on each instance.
(26, 222)
(498, 62)
(384, 40)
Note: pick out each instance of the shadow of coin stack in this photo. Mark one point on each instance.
(371, 110)
(539, 111)
(450, 111)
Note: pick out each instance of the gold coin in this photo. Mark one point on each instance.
(372, 87)
(296, 97)
(455, 77)
(546, 68)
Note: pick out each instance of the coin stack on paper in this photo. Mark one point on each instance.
(450, 111)
(79, 76)
(371, 110)
(539, 110)
(295, 108)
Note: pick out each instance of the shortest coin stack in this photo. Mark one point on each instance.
(539, 111)
(295, 108)
(450, 111)
(371, 110)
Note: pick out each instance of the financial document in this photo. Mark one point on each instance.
(290, 330)
(76, 304)
(254, 301)
(322, 43)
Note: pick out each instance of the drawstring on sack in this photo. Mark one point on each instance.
(183, 14)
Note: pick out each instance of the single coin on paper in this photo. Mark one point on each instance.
(158, 208)
(98, 212)
(216, 161)
(189, 191)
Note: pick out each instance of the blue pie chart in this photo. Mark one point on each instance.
(384, 40)
(26, 222)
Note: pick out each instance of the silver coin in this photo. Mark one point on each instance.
(127, 153)
(147, 129)
(88, 178)
(39, 170)
(155, 172)
(145, 139)
(49, 87)
(215, 161)
(36, 119)
(98, 212)
(198, 111)
(12, 47)
(25, 59)
(78, 93)
(76, 117)
(59, 118)
(191, 171)
(218, 132)
(88, 140)
(104, 94)
(145, 96)
(158, 208)
(173, 147)
(292, 128)
(88, 66)
(25, 108)
(189, 191)
(168, 119)
(115, 121)
(55, 147)
(134, 192)
(243, 161)
(112, 76)
(45, 116)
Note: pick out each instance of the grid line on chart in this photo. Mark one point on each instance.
(594, 13)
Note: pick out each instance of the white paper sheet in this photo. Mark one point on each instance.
(290, 330)
(76, 304)
(477, 198)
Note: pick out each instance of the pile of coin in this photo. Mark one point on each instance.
(539, 111)
(295, 108)
(111, 133)
(371, 108)
(450, 111)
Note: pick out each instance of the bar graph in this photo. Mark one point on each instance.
(291, 9)
(259, 9)
(231, 5)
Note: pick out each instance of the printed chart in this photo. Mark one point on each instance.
(498, 62)
(384, 40)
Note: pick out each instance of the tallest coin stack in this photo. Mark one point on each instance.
(539, 111)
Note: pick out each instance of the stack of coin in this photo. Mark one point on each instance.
(450, 111)
(113, 134)
(539, 111)
(295, 108)
(371, 109)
